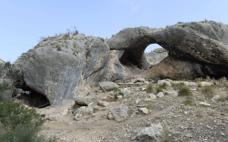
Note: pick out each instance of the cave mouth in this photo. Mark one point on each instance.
(143, 55)
(31, 97)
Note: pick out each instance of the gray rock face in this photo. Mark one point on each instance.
(156, 56)
(58, 66)
(204, 44)
(176, 69)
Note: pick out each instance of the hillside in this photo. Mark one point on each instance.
(91, 89)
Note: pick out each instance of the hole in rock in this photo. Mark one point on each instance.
(32, 97)
(143, 55)
(151, 48)
(155, 53)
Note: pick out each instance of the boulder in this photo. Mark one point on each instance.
(83, 112)
(164, 83)
(174, 68)
(205, 83)
(160, 95)
(108, 85)
(156, 56)
(154, 133)
(144, 110)
(118, 113)
(57, 66)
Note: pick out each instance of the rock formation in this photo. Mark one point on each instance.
(204, 44)
(58, 66)
(156, 56)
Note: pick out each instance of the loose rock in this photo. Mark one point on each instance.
(108, 85)
(144, 110)
(160, 95)
(204, 104)
(125, 92)
(119, 113)
(150, 134)
(83, 111)
(103, 103)
(164, 82)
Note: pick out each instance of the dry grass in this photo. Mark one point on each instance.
(223, 82)
(188, 101)
(184, 90)
(149, 88)
(208, 91)
(156, 88)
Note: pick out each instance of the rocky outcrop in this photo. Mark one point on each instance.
(204, 43)
(59, 66)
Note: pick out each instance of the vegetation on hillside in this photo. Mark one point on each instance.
(19, 123)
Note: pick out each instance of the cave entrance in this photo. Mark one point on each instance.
(142, 55)
(31, 97)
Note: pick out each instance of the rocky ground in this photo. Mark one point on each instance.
(138, 110)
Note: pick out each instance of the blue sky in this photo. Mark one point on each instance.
(25, 22)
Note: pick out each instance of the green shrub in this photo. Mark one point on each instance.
(178, 86)
(20, 123)
(159, 88)
(3, 88)
(22, 133)
(184, 91)
(156, 88)
(13, 114)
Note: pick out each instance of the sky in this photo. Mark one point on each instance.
(23, 23)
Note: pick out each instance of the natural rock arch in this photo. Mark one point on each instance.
(58, 66)
(200, 47)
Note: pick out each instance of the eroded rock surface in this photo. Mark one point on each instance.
(58, 66)
(156, 56)
(204, 43)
